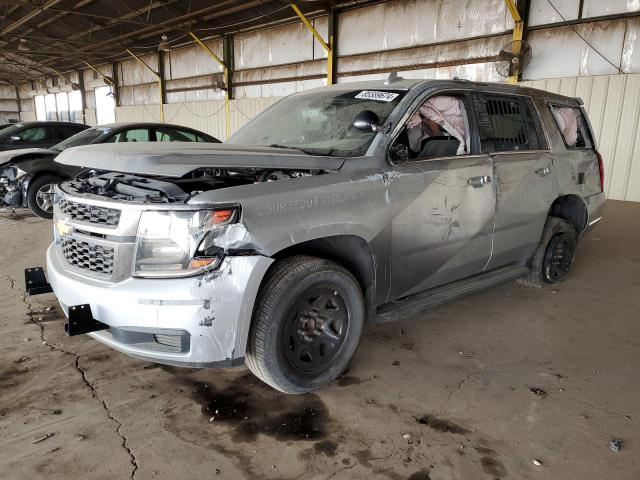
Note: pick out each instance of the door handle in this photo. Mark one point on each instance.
(478, 182)
(543, 172)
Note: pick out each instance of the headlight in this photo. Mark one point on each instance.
(174, 243)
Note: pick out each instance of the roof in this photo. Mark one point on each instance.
(38, 38)
(409, 83)
(52, 122)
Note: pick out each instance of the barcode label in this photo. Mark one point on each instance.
(376, 95)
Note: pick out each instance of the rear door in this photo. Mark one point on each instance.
(443, 205)
(512, 134)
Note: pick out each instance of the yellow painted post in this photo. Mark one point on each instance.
(518, 29)
(104, 77)
(161, 93)
(327, 47)
(225, 73)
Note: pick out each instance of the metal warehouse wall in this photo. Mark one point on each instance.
(613, 104)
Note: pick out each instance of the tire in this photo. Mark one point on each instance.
(552, 260)
(306, 324)
(36, 193)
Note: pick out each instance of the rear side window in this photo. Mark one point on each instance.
(164, 134)
(505, 124)
(572, 125)
(67, 131)
(35, 134)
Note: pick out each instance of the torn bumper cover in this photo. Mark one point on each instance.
(200, 321)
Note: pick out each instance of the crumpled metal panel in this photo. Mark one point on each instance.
(541, 13)
(407, 23)
(597, 8)
(132, 72)
(279, 45)
(192, 61)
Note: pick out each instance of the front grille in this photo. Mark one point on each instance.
(90, 213)
(94, 258)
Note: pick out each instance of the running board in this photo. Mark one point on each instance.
(420, 302)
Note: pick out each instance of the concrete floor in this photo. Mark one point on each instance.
(478, 389)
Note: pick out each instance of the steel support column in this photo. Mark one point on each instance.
(328, 47)
(520, 15)
(226, 72)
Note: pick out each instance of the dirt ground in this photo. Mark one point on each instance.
(510, 383)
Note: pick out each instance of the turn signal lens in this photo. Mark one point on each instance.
(198, 263)
(221, 217)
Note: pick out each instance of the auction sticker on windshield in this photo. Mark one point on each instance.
(376, 95)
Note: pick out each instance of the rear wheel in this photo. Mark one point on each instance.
(40, 195)
(554, 256)
(306, 326)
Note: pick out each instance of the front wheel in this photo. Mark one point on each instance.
(40, 195)
(306, 326)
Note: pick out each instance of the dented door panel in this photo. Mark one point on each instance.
(441, 224)
(525, 190)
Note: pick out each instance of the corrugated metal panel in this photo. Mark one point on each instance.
(613, 105)
(407, 23)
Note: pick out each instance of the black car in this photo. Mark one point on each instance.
(27, 177)
(37, 134)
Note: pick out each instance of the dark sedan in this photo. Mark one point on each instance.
(27, 177)
(37, 134)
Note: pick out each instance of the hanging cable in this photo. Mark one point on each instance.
(585, 40)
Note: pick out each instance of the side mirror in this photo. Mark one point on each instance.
(15, 139)
(367, 121)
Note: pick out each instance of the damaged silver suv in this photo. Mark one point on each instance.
(355, 203)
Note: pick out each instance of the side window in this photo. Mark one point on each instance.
(505, 124)
(438, 128)
(130, 135)
(173, 135)
(35, 134)
(66, 132)
(573, 126)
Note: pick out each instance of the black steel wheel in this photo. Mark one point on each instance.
(552, 260)
(558, 258)
(316, 329)
(306, 325)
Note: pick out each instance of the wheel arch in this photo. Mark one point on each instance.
(572, 209)
(350, 251)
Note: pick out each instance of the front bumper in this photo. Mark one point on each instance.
(198, 321)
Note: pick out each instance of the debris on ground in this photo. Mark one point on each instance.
(537, 462)
(615, 445)
(43, 438)
(538, 391)
(406, 436)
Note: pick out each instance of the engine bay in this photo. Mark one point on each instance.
(137, 188)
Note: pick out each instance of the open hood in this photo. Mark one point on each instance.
(12, 156)
(176, 159)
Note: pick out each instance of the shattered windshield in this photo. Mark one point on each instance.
(83, 138)
(319, 123)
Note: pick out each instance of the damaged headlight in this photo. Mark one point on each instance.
(173, 243)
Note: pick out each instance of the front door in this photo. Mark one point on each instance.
(443, 205)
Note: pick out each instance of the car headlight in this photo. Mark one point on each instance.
(174, 243)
